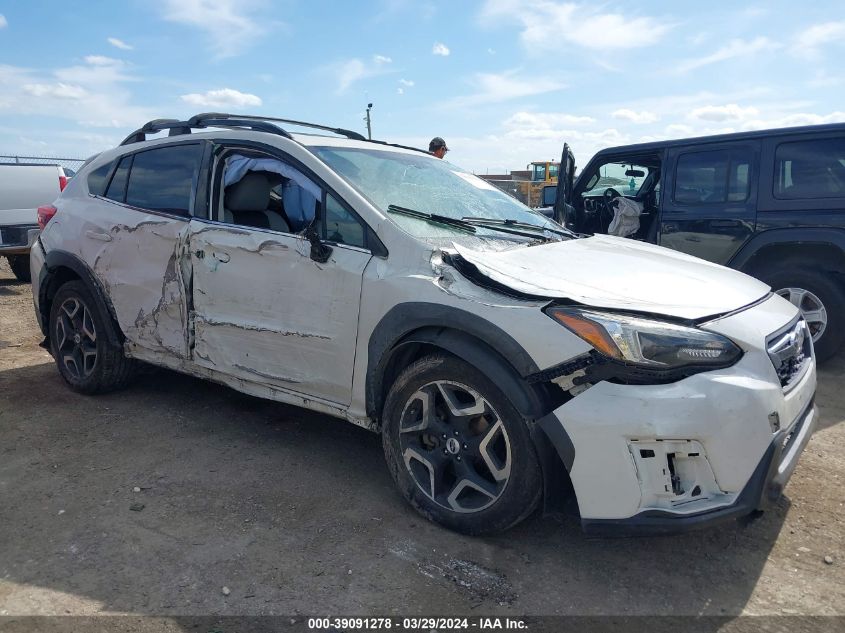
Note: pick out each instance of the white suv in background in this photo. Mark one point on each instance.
(23, 188)
(502, 358)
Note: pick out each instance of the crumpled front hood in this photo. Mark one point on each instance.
(622, 274)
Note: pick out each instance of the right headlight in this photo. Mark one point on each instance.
(645, 342)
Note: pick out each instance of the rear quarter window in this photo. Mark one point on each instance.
(164, 179)
(97, 179)
(810, 169)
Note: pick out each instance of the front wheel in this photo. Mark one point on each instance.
(458, 450)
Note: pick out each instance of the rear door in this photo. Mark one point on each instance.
(710, 199)
(133, 231)
(265, 311)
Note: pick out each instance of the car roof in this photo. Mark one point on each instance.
(720, 138)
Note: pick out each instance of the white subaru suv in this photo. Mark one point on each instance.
(505, 361)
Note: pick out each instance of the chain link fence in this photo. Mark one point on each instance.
(67, 163)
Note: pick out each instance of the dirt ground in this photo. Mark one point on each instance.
(295, 513)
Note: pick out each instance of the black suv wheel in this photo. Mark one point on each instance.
(821, 301)
(458, 450)
(80, 332)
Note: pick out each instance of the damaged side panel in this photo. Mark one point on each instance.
(264, 311)
(138, 258)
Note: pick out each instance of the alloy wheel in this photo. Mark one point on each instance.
(455, 446)
(812, 309)
(76, 338)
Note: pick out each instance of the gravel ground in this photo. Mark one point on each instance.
(152, 500)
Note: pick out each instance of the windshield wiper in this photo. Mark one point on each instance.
(432, 217)
(516, 224)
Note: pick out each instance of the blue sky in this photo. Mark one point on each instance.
(503, 81)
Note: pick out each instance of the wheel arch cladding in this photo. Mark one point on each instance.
(61, 267)
(819, 246)
(461, 333)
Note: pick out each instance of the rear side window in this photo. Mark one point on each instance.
(712, 177)
(810, 169)
(97, 179)
(164, 179)
(117, 187)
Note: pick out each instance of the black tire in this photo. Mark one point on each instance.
(827, 289)
(20, 267)
(72, 345)
(485, 445)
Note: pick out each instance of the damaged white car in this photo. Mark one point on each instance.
(505, 361)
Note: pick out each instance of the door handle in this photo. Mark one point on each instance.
(221, 257)
(670, 227)
(96, 235)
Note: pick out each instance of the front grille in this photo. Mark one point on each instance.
(790, 350)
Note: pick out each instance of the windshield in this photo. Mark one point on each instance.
(427, 185)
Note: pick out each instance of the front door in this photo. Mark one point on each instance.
(710, 199)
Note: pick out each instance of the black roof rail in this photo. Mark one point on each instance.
(238, 121)
(350, 134)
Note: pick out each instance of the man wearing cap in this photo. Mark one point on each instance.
(438, 147)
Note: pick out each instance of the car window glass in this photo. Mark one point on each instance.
(626, 178)
(341, 226)
(163, 179)
(117, 187)
(810, 169)
(97, 179)
(712, 177)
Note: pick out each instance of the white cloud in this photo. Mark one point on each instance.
(546, 24)
(102, 60)
(545, 120)
(119, 44)
(808, 42)
(56, 91)
(400, 91)
(97, 90)
(406, 82)
(3, 21)
(222, 98)
(350, 71)
(729, 112)
(511, 84)
(633, 116)
(441, 49)
(231, 26)
(733, 49)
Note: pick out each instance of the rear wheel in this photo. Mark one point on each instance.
(458, 450)
(821, 301)
(20, 267)
(80, 334)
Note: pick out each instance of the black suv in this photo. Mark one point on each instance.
(770, 203)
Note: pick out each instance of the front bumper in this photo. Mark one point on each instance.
(763, 489)
(670, 457)
(17, 239)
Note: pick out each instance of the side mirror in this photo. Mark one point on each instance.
(319, 252)
(549, 195)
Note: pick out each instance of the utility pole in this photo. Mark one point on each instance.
(369, 122)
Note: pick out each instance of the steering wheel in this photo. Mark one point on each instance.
(610, 194)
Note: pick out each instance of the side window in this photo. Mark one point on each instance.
(97, 179)
(712, 177)
(810, 169)
(163, 179)
(117, 187)
(341, 226)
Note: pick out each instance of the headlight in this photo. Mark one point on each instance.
(648, 343)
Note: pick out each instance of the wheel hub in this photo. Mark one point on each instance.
(76, 338)
(455, 446)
